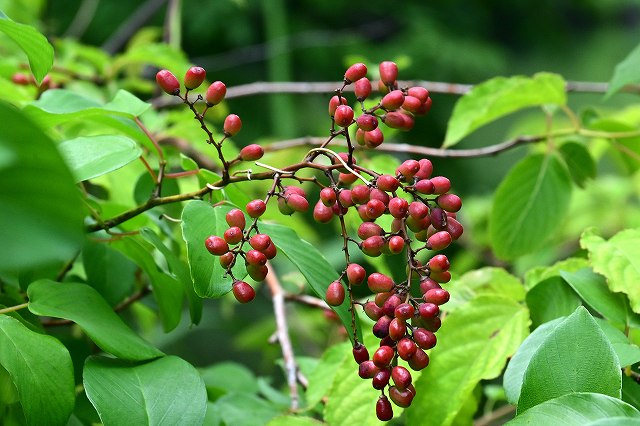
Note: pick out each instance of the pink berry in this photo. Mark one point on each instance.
(194, 77)
(251, 152)
(232, 125)
(215, 93)
(168, 82)
(388, 72)
(355, 72)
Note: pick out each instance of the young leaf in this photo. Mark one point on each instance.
(500, 96)
(225, 377)
(33, 44)
(551, 299)
(42, 211)
(579, 162)
(592, 288)
(199, 221)
(618, 259)
(627, 353)
(473, 345)
(108, 271)
(529, 204)
(485, 281)
(312, 264)
(566, 360)
(626, 72)
(138, 394)
(40, 368)
(92, 156)
(322, 377)
(579, 409)
(84, 306)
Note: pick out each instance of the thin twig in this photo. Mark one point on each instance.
(282, 332)
(14, 308)
(489, 418)
(307, 300)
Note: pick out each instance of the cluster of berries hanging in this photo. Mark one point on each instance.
(422, 209)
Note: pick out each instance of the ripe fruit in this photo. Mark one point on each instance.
(387, 183)
(194, 77)
(256, 208)
(379, 283)
(402, 398)
(381, 379)
(398, 207)
(384, 411)
(233, 235)
(441, 184)
(367, 369)
(449, 202)
(383, 356)
(408, 169)
(438, 296)
(401, 377)
(216, 245)
(251, 152)
(439, 241)
(322, 213)
(392, 100)
(243, 292)
(360, 353)
(235, 217)
(367, 122)
(255, 258)
(297, 203)
(355, 274)
(334, 102)
(168, 82)
(362, 89)
(373, 138)
(232, 125)
(388, 72)
(355, 72)
(335, 294)
(343, 115)
(215, 93)
(396, 244)
(424, 338)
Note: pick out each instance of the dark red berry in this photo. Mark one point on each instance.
(454, 228)
(419, 360)
(369, 229)
(424, 186)
(408, 169)
(360, 353)
(402, 398)
(367, 369)
(243, 292)
(382, 356)
(411, 104)
(424, 338)
(397, 329)
(260, 242)
(373, 311)
(390, 305)
(404, 311)
(257, 272)
(406, 348)
(428, 310)
(235, 217)
(216, 245)
(168, 82)
(375, 209)
(343, 115)
(373, 246)
(379, 283)
(439, 262)
(215, 93)
(328, 196)
(335, 294)
(401, 377)
(256, 208)
(355, 274)
(381, 379)
(381, 327)
(194, 77)
(384, 411)
(367, 122)
(373, 138)
(255, 257)
(439, 296)
(233, 235)
(360, 194)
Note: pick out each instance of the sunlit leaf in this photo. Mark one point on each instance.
(33, 44)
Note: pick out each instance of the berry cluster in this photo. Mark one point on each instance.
(423, 213)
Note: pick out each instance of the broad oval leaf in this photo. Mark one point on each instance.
(92, 156)
(474, 344)
(42, 211)
(566, 361)
(84, 306)
(579, 162)
(40, 368)
(577, 409)
(500, 96)
(627, 352)
(243, 409)
(314, 267)
(626, 72)
(167, 390)
(550, 299)
(618, 259)
(199, 221)
(322, 376)
(35, 45)
(529, 204)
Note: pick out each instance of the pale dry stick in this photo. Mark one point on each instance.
(282, 333)
(490, 418)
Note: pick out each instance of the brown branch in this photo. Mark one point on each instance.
(490, 418)
(307, 300)
(282, 332)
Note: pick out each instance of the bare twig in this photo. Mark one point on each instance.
(491, 417)
(282, 332)
(307, 300)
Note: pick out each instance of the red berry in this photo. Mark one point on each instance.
(232, 125)
(377, 194)
(424, 186)
(328, 196)
(408, 169)
(226, 259)
(397, 328)
(406, 348)
(424, 338)
(362, 89)
(335, 294)
(389, 306)
(379, 283)
(398, 207)
(251, 152)
(411, 104)
(322, 213)
(387, 183)
(233, 235)
(367, 122)
(419, 360)
(441, 184)
(381, 379)
(441, 276)
(388, 72)
(398, 120)
(439, 262)
(454, 228)
(367, 369)
(375, 209)
(347, 178)
(360, 194)
(449, 202)
(215, 93)
(360, 353)
(373, 138)
(396, 244)
(257, 272)
(402, 398)
(270, 251)
(256, 208)
(428, 310)
(392, 100)
(384, 411)
(418, 210)
(401, 377)
(235, 217)
(439, 241)
(343, 115)
(427, 284)
(355, 72)
(297, 202)
(439, 296)
(334, 102)
(243, 292)
(383, 356)
(426, 168)
(355, 274)
(372, 246)
(419, 92)
(194, 77)
(369, 229)
(216, 245)
(168, 82)
(373, 311)
(404, 311)
(382, 297)
(21, 79)
(381, 327)
(255, 257)
(344, 197)
(260, 242)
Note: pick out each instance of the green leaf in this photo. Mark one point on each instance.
(529, 205)
(108, 271)
(474, 344)
(225, 377)
(322, 376)
(199, 221)
(618, 259)
(242, 409)
(626, 352)
(630, 391)
(579, 162)
(541, 273)
(313, 266)
(514, 373)
(485, 281)
(626, 72)
(180, 270)
(40, 368)
(292, 420)
(551, 299)
(566, 360)
(84, 306)
(501, 96)
(167, 390)
(42, 211)
(33, 44)
(577, 409)
(92, 156)
(592, 288)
